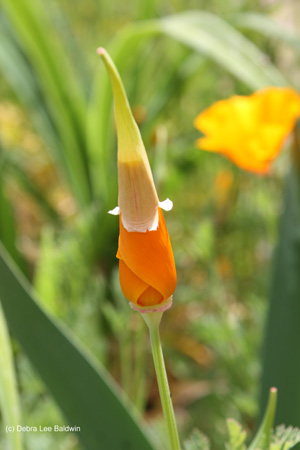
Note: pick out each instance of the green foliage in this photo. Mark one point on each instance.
(237, 435)
(7, 221)
(9, 401)
(269, 27)
(285, 438)
(60, 99)
(197, 441)
(282, 437)
(216, 39)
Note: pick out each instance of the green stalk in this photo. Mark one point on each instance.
(153, 319)
(262, 438)
(9, 401)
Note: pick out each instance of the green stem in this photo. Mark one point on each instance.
(152, 319)
(262, 438)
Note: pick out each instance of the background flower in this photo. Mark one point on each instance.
(250, 130)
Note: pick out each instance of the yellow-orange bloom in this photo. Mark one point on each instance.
(250, 130)
(146, 262)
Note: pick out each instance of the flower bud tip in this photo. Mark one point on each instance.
(100, 51)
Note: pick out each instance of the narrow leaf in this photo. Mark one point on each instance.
(9, 401)
(55, 77)
(8, 232)
(269, 27)
(83, 390)
(281, 359)
(219, 41)
(13, 166)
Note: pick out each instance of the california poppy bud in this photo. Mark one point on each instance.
(146, 262)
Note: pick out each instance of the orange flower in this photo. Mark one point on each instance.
(146, 262)
(250, 130)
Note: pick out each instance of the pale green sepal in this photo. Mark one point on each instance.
(129, 138)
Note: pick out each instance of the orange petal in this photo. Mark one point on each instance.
(135, 289)
(131, 285)
(250, 130)
(150, 258)
(150, 297)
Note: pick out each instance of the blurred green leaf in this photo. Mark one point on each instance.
(197, 441)
(268, 27)
(16, 69)
(7, 224)
(281, 361)
(61, 93)
(9, 400)
(83, 390)
(211, 35)
(13, 166)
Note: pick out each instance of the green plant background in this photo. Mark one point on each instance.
(58, 180)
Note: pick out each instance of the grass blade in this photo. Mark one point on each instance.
(262, 438)
(219, 41)
(61, 92)
(7, 225)
(19, 75)
(13, 167)
(268, 27)
(9, 401)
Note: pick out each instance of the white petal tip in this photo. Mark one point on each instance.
(166, 205)
(115, 211)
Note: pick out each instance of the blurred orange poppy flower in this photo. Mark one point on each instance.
(250, 130)
(146, 263)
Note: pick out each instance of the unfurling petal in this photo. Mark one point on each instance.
(146, 260)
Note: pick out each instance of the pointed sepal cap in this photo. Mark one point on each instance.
(138, 200)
